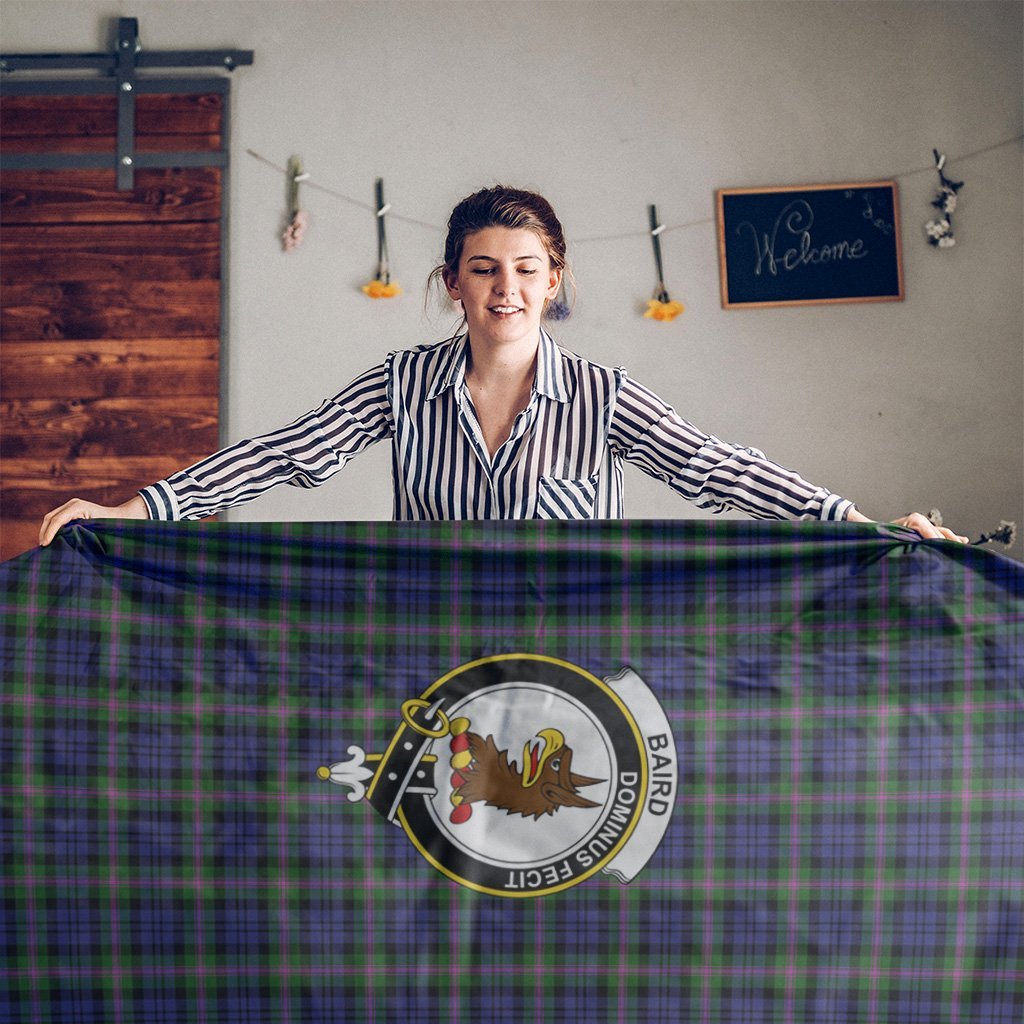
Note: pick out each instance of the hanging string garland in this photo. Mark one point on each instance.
(381, 287)
(940, 232)
(661, 307)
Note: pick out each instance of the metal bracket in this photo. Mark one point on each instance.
(123, 65)
(128, 46)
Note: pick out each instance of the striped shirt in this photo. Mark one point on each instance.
(562, 460)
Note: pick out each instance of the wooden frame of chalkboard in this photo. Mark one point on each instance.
(810, 245)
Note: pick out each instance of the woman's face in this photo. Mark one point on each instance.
(504, 279)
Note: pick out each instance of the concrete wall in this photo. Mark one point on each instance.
(606, 107)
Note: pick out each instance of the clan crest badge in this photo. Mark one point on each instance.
(521, 775)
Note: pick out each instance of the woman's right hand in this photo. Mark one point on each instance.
(77, 508)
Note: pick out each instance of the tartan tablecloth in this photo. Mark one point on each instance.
(780, 766)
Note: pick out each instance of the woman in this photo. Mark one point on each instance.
(498, 422)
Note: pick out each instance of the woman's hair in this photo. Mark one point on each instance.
(501, 207)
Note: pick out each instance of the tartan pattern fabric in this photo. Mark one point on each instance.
(847, 842)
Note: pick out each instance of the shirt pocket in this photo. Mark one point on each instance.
(563, 498)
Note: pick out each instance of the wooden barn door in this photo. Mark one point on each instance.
(110, 311)
(111, 297)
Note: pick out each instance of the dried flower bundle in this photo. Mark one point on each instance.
(661, 307)
(940, 231)
(298, 219)
(381, 287)
(1005, 533)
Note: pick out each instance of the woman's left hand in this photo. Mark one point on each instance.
(919, 524)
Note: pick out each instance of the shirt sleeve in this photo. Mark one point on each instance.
(304, 453)
(712, 473)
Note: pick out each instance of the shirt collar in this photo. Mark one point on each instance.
(550, 378)
(451, 371)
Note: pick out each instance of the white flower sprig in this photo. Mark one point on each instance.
(1005, 533)
(940, 231)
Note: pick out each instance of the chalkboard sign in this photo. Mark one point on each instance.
(809, 245)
